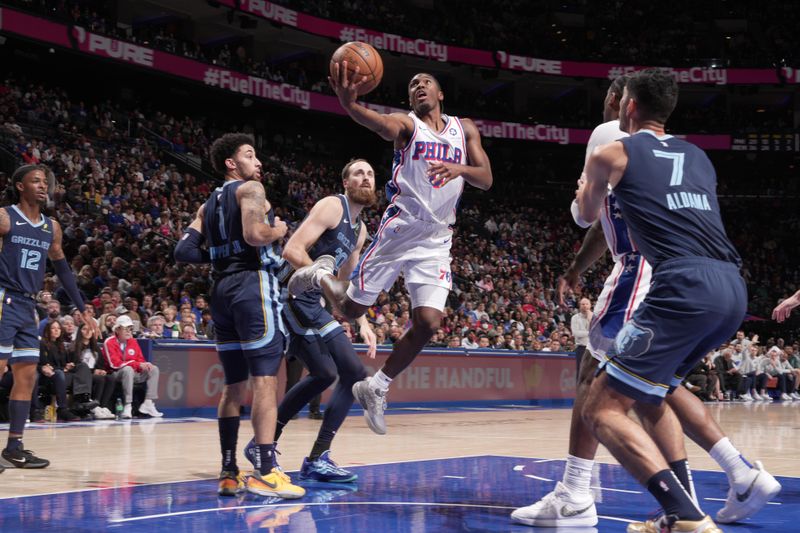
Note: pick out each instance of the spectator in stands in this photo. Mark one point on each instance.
(729, 375)
(171, 327)
(753, 376)
(155, 327)
(70, 329)
(774, 367)
(188, 332)
(207, 324)
(125, 359)
(59, 370)
(87, 351)
(53, 313)
(107, 325)
(791, 377)
(470, 340)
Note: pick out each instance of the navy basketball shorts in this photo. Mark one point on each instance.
(246, 309)
(306, 315)
(19, 331)
(694, 305)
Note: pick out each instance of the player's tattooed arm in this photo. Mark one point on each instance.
(255, 227)
(5, 221)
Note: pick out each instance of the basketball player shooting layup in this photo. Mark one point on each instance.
(434, 155)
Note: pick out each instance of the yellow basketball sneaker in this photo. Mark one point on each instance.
(230, 483)
(662, 525)
(276, 483)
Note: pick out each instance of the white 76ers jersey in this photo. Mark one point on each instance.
(615, 230)
(411, 189)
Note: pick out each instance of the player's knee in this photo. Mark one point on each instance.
(427, 321)
(234, 393)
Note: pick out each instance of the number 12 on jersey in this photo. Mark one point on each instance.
(30, 259)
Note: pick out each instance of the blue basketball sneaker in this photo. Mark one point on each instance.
(324, 469)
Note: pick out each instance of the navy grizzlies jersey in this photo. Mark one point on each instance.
(668, 197)
(340, 241)
(24, 254)
(222, 225)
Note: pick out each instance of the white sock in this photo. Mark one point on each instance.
(734, 464)
(578, 476)
(380, 381)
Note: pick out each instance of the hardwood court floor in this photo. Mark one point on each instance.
(119, 454)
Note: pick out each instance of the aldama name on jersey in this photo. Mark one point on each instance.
(683, 200)
(433, 151)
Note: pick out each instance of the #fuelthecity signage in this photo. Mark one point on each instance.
(82, 40)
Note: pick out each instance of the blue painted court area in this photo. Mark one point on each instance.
(457, 494)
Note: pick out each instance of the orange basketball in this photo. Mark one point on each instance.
(365, 57)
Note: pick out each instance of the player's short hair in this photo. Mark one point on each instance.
(655, 92)
(349, 165)
(19, 175)
(618, 85)
(226, 147)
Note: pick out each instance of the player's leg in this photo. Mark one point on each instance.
(18, 408)
(234, 390)
(751, 487)
(257, 319)
(665, 429)
(321, 375)
(606, 413)
(319, 465)
(19, 345)
(428, 301)
(571, 504)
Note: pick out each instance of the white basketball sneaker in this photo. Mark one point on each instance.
(305, 279)
(739, 506)
(558, 509)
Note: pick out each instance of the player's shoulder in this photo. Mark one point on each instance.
(607, 132)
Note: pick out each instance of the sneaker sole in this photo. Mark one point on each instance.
(755, 504)
(27, 466)
(274, 493)
(587, 521)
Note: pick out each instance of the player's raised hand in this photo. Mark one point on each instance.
(345, 83)
(784, 309)
(570, 280)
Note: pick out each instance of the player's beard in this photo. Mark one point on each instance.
(362, 195)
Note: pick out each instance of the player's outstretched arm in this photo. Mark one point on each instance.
(324, 215)
(390, 127)
(254, 206)
(784, 309)
(477, 173)
(67, 278)
(349, 266)
(592, 249)
(189, 249)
